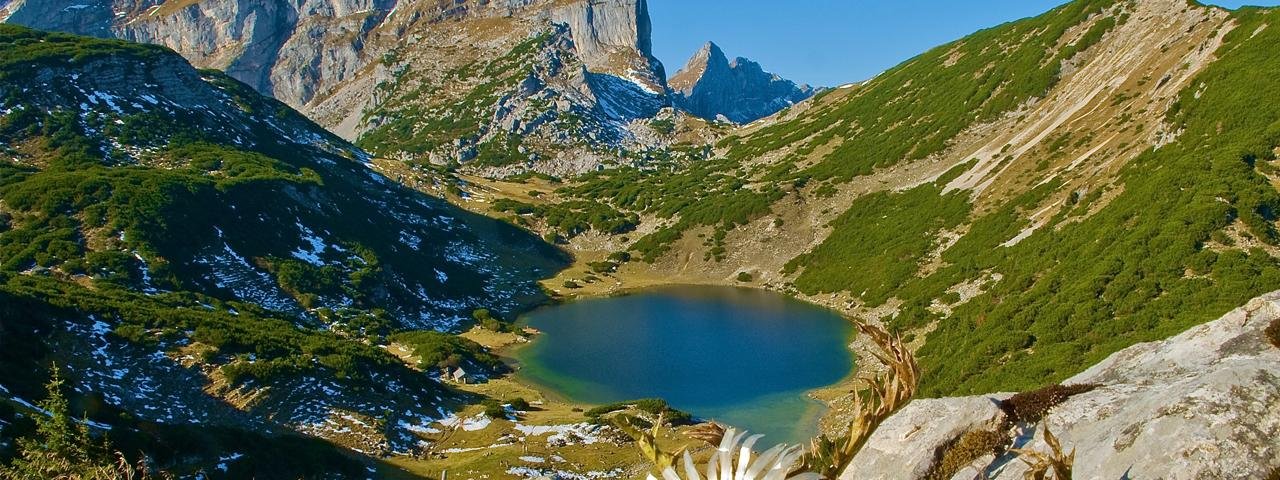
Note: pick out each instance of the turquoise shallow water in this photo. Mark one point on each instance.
(739, 356)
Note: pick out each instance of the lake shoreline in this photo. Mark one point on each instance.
(820, 402)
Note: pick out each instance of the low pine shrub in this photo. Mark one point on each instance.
(971, 446)
(1033, 405)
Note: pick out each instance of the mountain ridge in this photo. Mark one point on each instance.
(341, 62)
(740, 91)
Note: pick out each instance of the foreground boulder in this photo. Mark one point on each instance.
(1203, 404)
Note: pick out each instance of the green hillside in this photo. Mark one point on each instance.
(169, 236)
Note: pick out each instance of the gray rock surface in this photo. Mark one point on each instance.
(614, 36)
(1204, 404)
(712, 86)
(86, 17)
(906, 445)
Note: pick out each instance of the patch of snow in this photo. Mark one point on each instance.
(100, 97)
(584, 433)
(413, 241)
(634, 77)
(529, 472)
(317, 244)
(473, 424)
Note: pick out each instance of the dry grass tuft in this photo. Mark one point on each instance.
(971, 446)
(1273, 332)
(1032, 406)
(1055, 464)
(647, 440)
(887, 393)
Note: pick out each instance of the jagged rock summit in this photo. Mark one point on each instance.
(614, 41)
(713, 87)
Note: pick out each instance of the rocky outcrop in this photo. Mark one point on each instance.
(1203, 404)
(613, 40)
(327, 57)
(243, 38)
(713, 87)
(614, 36)
(901, 448)
(85, 17)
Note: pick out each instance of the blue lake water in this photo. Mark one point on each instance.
(739, 356)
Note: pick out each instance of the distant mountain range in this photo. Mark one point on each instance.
(579, 75)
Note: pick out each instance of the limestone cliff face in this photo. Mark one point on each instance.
(86, 17)
(613, 39)
(711, 86)
(1203, 404)
(244, 38)
(326, 57)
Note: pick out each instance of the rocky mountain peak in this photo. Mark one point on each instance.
(710, 54)
(741, 91)
(615, 37)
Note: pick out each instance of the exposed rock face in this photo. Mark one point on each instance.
(86, 17)
(902, 448)
(243, 38)
(613, 40)
(1203, 404)
(331, 58)
(711, 86)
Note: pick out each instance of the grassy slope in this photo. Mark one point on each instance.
(1146, 266)
(880, 125)
(86, 228)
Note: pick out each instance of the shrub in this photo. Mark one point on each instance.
(488, 321)
(493, 409)
(1033, 405)
(745, 277)
(519, 403)
(654, 406)
(971, 446)
(603, 267)
(438, 350)
(570, 284)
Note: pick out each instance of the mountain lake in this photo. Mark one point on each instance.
(742, 357)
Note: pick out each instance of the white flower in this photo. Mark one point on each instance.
(733, 461)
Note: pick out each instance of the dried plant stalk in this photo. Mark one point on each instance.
(1042, 464)
(888, 392)
(647, 440)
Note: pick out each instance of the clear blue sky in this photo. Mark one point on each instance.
(830, 42)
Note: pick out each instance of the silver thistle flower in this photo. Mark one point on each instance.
(733, 461)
